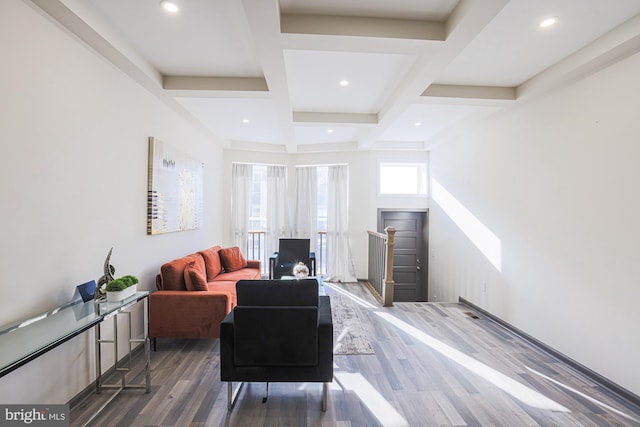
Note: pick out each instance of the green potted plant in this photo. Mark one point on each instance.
(121, 288)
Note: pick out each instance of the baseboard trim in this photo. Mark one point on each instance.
(603, 381)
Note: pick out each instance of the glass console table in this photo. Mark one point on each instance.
(24, 341)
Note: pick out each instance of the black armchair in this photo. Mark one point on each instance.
(280, 331)
(290, 252)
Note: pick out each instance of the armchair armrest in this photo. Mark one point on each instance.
(226, 348)
(273, 259)
(324, 312)
(325, 338)
(312, 262)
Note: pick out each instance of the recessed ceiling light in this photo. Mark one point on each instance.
(245, 120)
(344, 83)
(548, 22)
(417, 124)
(169, 6)
(329, 130)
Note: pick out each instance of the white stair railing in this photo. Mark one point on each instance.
(381, 247)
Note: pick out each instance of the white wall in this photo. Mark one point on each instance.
(363, 199)
(73, 184)
(556, 180)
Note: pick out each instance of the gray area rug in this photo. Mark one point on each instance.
(349, 336)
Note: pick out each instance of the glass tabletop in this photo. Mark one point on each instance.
(26, 340)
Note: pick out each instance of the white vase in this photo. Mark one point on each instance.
(300, 271)
(123, 294)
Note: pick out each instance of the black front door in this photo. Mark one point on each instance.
(409, 261)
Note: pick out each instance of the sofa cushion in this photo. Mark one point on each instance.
(195, 276)
(232, 259)
(172, 273)
(242, 274)
(212, 263)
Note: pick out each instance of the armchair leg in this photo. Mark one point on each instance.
(232, 395)
(325, 396)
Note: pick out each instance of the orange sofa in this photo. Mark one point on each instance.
(196, 292)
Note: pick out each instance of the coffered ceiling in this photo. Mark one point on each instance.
(265, 74)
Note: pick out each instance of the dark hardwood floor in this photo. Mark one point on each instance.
(434, 365)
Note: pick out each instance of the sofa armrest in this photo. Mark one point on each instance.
(187, 314)
(254, 263)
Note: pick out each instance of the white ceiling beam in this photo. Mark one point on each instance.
(470, 92)
(398, 145)
(464, 24)
(612, 47)
(252, 84)
(258, 146)
(77, 18)
(328, 147)
(216, 87)
(263, 17)
(340, 118)
(335, 43)
(362, 27)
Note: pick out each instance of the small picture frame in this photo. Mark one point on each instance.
(87, 290)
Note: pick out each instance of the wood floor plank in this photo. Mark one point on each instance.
(433, 365)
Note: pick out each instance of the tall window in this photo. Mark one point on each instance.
(321, 251)
(258, 208)
(260, 213)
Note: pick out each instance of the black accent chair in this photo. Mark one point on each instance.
(290, 252)
(280, 331)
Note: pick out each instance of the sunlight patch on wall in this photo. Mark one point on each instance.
(483, 238)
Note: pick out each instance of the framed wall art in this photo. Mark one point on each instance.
(175, 189)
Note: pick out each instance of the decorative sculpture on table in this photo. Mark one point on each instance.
(109, 271)
(300, 271)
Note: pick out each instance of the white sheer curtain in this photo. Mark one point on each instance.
(277, 208)
(240, 202)
(340, 266)
(305, 221)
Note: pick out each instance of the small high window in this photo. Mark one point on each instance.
(402, 178)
